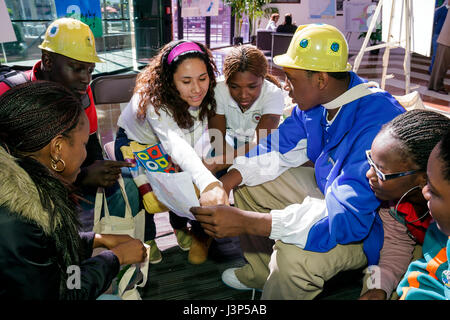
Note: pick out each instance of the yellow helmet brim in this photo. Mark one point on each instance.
(284, 60)
(71, 38)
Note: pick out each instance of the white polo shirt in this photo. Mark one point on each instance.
(242, 125)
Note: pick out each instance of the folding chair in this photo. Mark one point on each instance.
(113, 89)
(117, 88)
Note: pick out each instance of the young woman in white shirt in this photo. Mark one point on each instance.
(173, 100)
(272, 24)
(249, 101)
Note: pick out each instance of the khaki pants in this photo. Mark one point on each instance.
(282, 270)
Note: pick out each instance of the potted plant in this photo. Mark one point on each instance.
(255, 11)
(375, 37)
(238, 10)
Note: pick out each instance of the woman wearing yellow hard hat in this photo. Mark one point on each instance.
(322, 220)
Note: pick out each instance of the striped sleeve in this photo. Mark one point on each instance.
(427, 278)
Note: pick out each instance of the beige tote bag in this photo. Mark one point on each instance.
(133, 226)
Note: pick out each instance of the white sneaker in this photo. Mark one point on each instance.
(230, 279)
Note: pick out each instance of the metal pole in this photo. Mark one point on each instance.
(133, 34)
(388, 48)
(407, 60)
(4, 53)
(366, 40)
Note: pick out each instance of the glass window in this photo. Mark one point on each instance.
(175, 19)
(194, 28)
(115, 15)
(30, 19)
(220, 27)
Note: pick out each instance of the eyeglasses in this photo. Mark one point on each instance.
(384, 177)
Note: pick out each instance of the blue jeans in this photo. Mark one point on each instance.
(150, 227)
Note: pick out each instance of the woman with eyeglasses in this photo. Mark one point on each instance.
(398, 163)
(429, 277)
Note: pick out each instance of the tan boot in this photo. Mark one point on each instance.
(199, 249)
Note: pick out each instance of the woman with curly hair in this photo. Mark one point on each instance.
(172, 103)
(250, 102)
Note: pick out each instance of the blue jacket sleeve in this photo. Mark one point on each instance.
(351, 204)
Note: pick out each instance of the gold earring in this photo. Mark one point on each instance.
(54, 165)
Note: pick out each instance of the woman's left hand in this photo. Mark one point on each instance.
(214, 194)
(110, 240)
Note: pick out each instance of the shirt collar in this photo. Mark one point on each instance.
(35, 70)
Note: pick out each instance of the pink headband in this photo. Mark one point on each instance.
(182, 48)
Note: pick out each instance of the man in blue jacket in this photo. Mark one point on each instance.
(321, 220)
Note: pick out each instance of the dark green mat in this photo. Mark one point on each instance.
(176, 279)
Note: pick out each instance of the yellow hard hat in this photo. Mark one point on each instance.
(71, 38)
(316, 47)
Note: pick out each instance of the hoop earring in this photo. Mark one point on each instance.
(54, 165)
(396, 207)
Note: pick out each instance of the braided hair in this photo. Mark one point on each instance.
(418, 132)
(31, 115)
(247, 58)
(444, 154)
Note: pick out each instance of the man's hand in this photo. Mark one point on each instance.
(103, 173)
(221, 221)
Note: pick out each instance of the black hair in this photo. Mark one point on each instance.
(444, 154)
(155, 85)
(418, 132)
(287, 19)
(31, 115)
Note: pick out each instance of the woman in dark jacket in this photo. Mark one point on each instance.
(43, 133)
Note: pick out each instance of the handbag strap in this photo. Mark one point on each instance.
(126, 278)
(128, 213)
(101, 201)
(98, 204)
